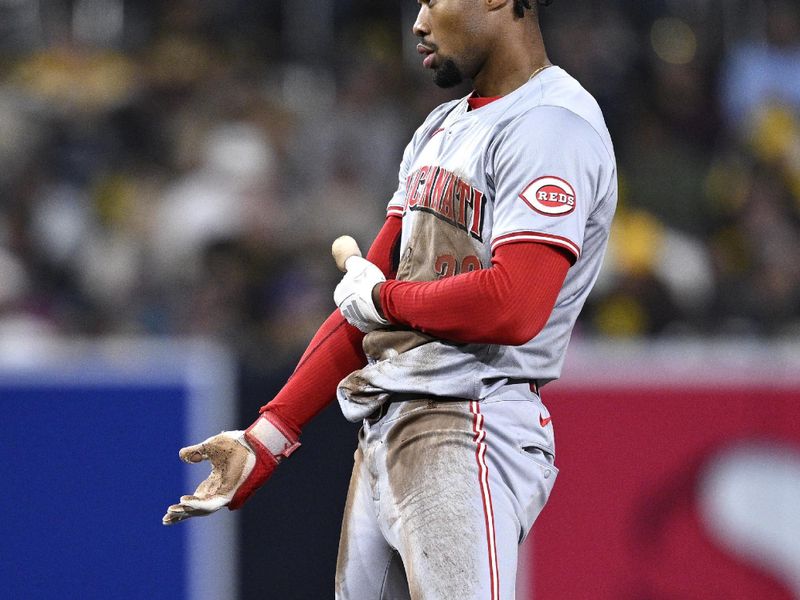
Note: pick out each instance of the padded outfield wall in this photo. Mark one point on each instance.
(89, 439)
(679, 475)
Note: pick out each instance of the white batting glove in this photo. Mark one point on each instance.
(241, 461)
(353, 295)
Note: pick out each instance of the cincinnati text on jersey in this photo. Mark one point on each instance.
(445, 195)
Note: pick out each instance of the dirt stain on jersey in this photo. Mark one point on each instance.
(382, 344)
(359, 391)
(430, 240)
(432, 473)
(434, 250)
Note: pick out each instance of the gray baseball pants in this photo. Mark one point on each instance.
(442, 494)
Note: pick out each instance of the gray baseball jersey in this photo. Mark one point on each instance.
(536, 165)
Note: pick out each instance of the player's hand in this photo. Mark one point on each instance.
(353, 295)
(241, 461)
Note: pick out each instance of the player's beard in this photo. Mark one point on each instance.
(448, 74)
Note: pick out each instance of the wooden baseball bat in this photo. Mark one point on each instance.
(343, 248)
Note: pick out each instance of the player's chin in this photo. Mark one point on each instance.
(447, 74)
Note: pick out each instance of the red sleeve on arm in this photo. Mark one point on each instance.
(383, 249)
(508, 303)
(334, 352)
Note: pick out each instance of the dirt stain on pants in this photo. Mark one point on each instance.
(432, 473)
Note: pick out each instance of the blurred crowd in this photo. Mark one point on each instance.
(182, 167)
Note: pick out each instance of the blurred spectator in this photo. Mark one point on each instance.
(764, 72)
(178, 168)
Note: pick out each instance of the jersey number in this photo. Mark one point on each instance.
(446, 265)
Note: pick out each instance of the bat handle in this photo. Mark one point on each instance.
(344, 247)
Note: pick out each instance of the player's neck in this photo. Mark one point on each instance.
(510, 64)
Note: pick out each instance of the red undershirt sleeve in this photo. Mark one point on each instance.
(335, 350)
(508, 303)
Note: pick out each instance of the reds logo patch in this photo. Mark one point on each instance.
(551, 196)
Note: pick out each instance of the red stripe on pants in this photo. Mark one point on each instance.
(486, 496)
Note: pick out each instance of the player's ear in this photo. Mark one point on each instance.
(495, 4)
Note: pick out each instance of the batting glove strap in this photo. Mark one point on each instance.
(271, 442)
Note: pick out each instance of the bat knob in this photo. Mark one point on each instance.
(343, 248)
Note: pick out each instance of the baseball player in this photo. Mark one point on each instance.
(447, 330)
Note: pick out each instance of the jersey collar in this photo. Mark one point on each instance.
(475, 102)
